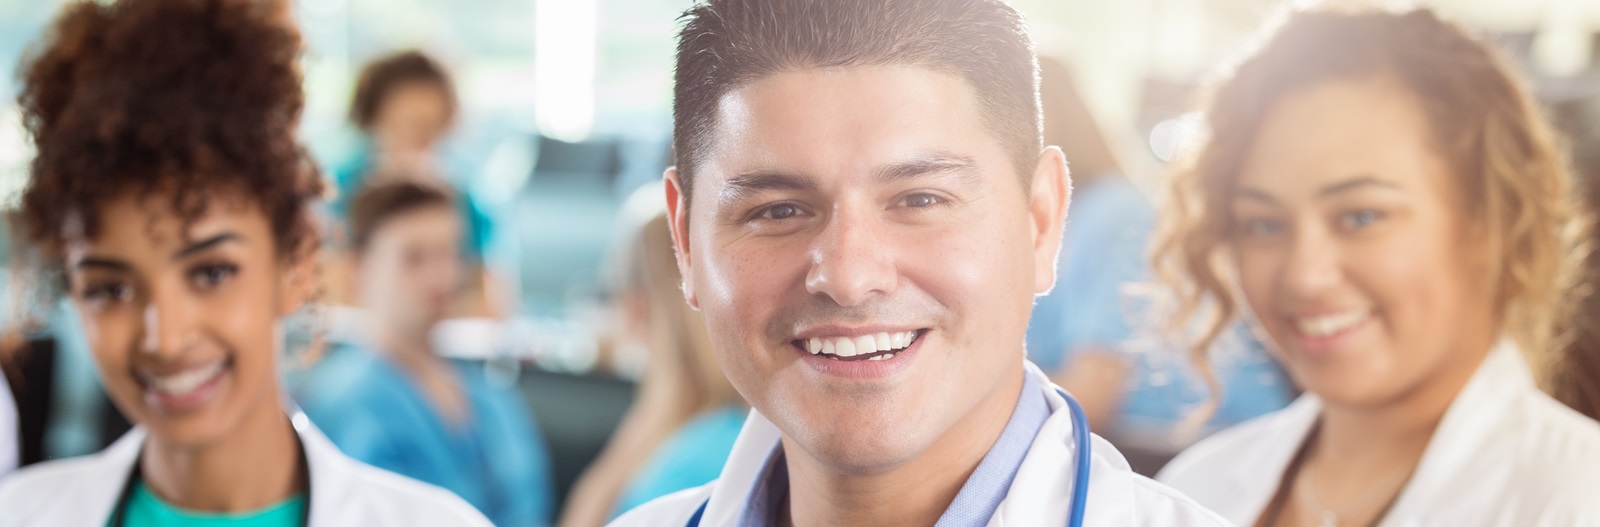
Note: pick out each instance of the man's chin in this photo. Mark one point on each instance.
(864, 450)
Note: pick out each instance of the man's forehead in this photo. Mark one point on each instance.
(853, 119)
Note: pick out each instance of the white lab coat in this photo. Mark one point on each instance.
(10, 441)
(1040, 494)
(83, 491)
(1505, 454)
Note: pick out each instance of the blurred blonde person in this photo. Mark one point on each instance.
(686, 416)
(1380, 193)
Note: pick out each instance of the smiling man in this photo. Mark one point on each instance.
(863, 213)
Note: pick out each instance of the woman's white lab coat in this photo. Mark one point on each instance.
(1505, 454)
(1040, 494)
(83, 491)
(10, 450)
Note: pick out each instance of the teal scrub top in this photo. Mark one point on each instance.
(350, 175)
(692, 456)
(145, 509)
(376, 412)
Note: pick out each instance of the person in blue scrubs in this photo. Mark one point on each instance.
(404, 106)
(1093, 333)
(393, 402)
(683, 422)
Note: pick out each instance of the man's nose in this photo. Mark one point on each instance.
(853, 259)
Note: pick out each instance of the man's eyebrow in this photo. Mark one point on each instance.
(935, 164)
(763, 180)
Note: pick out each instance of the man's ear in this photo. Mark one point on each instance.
(1047, 210)
(678, 220)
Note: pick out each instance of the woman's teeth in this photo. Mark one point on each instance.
(185, 381)
(847, 347)
(1329, 325)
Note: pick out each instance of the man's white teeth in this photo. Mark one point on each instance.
(1329, 325)
(185, 381)
(862, 345)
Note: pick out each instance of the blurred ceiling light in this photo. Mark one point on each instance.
(1175, 137)
(566, 44)
(15, 152)
(321, 8)
(1562, 45)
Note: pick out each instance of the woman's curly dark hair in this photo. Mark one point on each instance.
(193, 97)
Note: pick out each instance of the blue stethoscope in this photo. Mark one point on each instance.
(1080, 481)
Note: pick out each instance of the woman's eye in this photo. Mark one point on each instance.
(1259, 227)
(918, 201)
(1358, 219)
(209, 276)
(109, 292)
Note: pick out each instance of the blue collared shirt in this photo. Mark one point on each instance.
(978, 498)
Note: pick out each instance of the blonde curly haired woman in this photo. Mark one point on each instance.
(1380, 195)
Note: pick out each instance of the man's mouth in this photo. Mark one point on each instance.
(873, 347)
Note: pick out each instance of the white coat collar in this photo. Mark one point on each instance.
(1471, 420)
(330, 474)
(1034, 499)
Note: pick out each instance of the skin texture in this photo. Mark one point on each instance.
(798, 232)
(156, 298)
(409, 277)
(1344, 205)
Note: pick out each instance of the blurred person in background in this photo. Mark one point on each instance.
(405, 104)
(686, 415)
(1393, 207)
(1089, 335)
(170, 198)
(397, 404)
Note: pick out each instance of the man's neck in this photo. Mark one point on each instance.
(255, 466)
(915, 493)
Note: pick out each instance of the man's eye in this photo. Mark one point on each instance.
(781, 211)
(918, 201)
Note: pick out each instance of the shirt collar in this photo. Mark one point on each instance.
(978, 498)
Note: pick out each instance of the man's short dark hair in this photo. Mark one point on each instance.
(726, 44)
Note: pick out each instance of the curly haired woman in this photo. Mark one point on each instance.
(170, 199)
(1381, 195)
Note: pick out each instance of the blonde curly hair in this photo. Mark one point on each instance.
(1483, 121)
